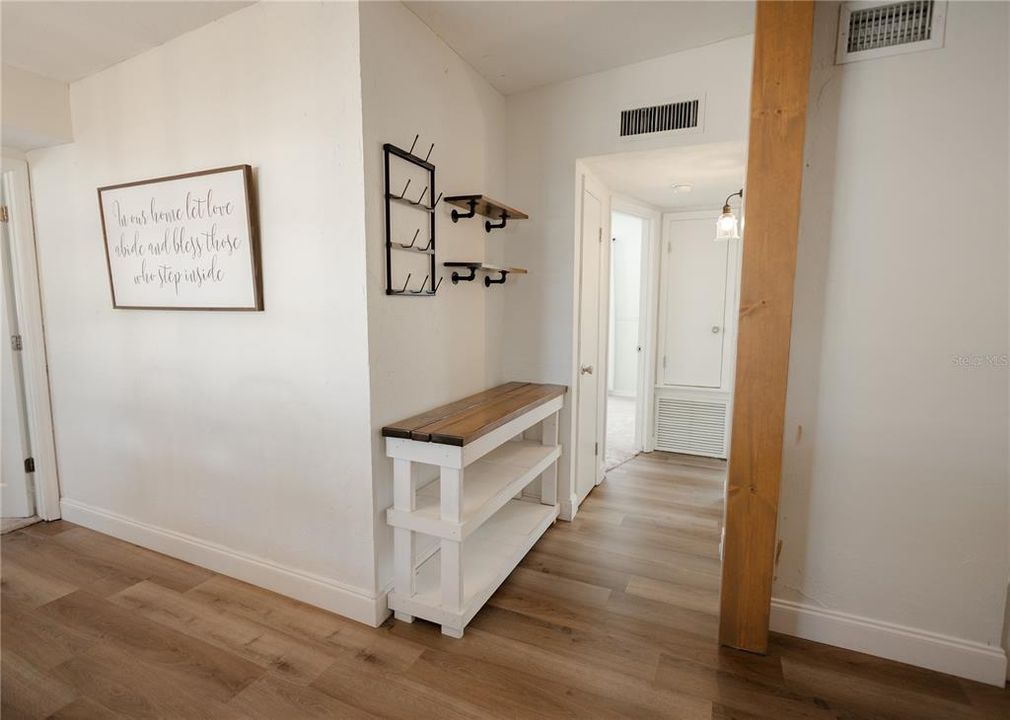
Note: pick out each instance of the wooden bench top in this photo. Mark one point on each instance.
(460, 423)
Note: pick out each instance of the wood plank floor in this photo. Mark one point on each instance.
(611, 616)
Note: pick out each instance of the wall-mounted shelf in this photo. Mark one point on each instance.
(483, 205)
(474, 266)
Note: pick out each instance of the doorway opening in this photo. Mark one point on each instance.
(668, 340)
(657, 319)
(630, 230)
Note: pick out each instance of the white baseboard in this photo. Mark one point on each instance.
(569, 509)
(951, 655)
(349, 601)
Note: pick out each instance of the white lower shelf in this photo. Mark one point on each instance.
(488, 484)
(489, 555)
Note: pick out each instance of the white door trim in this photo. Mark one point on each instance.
(29, 307)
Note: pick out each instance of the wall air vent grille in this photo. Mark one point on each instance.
(869, 30)
(693, 427)
(660, 118)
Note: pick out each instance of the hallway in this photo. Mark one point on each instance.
(620, 430)
(611, 616)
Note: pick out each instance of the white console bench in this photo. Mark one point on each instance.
(476, 510)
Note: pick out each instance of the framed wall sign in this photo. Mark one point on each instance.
(184, 242)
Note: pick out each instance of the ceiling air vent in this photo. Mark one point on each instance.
(870, 30)
(660, 118)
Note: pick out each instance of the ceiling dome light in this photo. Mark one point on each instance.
(683, 187)
(726, 227)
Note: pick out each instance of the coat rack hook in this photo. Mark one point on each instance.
(411, 151)
(423, 192)
(429, 152)
(457, 215)
(436, 201)
(421, 289)
(402, 194)
(489, 226)
(405, 283)
(439, 284)
(413, 240)
(431, 241)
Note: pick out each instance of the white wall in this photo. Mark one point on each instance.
(36, 110)
(237, 440)
(895, 470)
(427, 351)
(548, 129)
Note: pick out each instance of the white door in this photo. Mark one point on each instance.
(693, 312)
(16, 494)
(590, 374)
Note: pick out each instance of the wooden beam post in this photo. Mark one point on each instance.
(782, 44)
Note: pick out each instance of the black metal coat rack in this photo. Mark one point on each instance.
(428, 286)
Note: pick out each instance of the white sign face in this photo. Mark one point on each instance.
(185, 242)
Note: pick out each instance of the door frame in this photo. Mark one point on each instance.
(28, 298)
(647, 313)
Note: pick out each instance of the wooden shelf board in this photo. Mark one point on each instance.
(489, 555)
(467, 420)
(478, 265)
(404, 428)
(486, 206)
(488, 484)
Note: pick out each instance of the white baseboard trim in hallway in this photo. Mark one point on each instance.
(955, 656)
(352, 602)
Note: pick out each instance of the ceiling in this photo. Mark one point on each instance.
(67, 41)
(521, 45)
(715, 170)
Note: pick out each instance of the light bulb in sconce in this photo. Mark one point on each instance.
(726, 227)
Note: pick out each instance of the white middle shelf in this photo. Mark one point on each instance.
(488, 484)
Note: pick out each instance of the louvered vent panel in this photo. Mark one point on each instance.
(889, 29)
(693, 427)
(889, 25)
(660, 118)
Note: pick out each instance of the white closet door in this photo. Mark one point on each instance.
(15, 497)
(693, 304)
(587, 459)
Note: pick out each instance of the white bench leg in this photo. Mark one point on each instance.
(451, 552)
(549, 478)
(404, 550)
(452, 631)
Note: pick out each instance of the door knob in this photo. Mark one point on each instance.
(715, 329)
(586, 369)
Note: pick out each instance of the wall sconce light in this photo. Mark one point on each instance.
(726, 227)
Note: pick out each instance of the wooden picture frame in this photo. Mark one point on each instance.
(183, 242)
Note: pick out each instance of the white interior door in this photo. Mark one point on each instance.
(590, 374)
(693, 312)
(16, 496)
